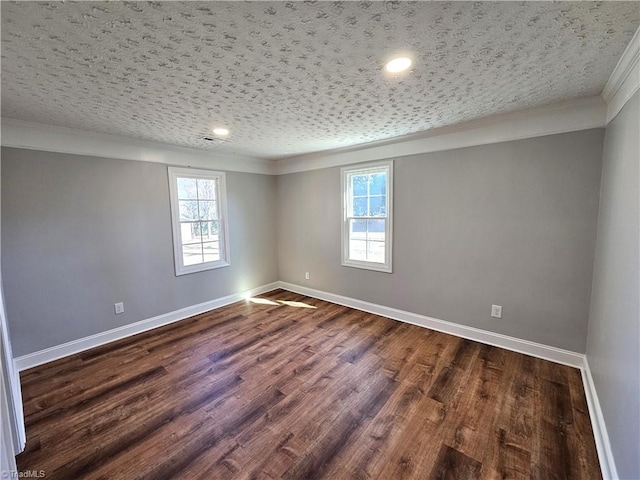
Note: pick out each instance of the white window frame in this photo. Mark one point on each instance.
(369, 168)
(223, 228)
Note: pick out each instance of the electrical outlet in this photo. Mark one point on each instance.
(496, 311)
(306, 275)
(119, 308)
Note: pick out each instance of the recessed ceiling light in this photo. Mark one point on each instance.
(222, 132)
(398, 65)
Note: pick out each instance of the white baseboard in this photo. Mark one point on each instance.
(538, 350)
(624, 81)
(557, 355)
(605, 454)
(546, 352)
(59, 351)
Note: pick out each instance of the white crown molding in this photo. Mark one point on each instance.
(624, 80)
(39, 136)
(546, 352)
(603, 445)
(569, 116)
(76, 346)
(563, 117)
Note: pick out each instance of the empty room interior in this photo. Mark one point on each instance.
(337, 240)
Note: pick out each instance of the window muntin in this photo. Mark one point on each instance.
(198, 208)
(366, 228)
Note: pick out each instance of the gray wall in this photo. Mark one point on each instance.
(511, 224)
(613, 348)
(81, 233)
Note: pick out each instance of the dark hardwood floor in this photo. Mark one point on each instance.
(294, 387)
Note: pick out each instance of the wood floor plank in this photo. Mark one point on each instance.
(191, 440)
(580, 434)
(415, 452)
(71, 403)
(220, 462)
(508, 448)
(367, 403)
(472, 431)
(382, 433)
(287, 386)
(454, 465)
(511, 460)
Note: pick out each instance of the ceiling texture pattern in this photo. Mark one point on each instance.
(289, 78)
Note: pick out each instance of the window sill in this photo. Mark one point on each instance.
(376, 267)
(201, 268)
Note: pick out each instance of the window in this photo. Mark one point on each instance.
(199, 218)
(366, 224)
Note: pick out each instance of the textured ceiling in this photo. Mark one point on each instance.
(295, 77)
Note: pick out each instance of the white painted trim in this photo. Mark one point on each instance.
(59, 351)
(7, 449)
(603, 445)
(557, 355)
(624, 80)
(223, 235)
(570, 116)
(538, 350)
(345, 173)
(563, 117)
(14, 393)
(38, 136)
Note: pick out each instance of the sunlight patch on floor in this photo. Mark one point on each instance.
(264, 301)
(296, 304)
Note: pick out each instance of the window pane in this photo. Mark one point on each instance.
(208, 210)
(357, 250)
(191, 254)
(187, 188)
(190, 232)
(359, 184)
(375, 230)
(360, 206)
(378, 184)
(375, 252)
(188, 209)
(206, 189)
(211, 251)
(358, 229)
(377, 206)
(209, 231)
